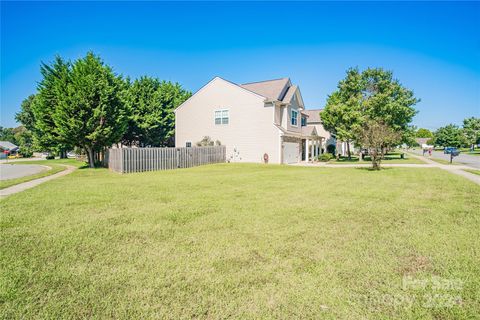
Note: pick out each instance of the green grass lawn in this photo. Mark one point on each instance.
(392, 158)
(243, 241)
(55, 166)
(476, 152)
(443, 161)
(474, 171)
(473, 153)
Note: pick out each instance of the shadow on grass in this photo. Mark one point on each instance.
(371, 169)
(387, 157)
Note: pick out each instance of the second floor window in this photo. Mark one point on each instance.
(293, 118)
(221, 117)
(304, 121)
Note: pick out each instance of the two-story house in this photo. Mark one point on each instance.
(256, 121)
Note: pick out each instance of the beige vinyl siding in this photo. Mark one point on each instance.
(294, 106)
(250, 132)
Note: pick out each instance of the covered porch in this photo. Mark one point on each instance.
(312, 147)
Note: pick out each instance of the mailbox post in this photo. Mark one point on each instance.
(453, 154)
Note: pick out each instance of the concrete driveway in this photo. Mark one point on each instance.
(12, 171)
(465, 159)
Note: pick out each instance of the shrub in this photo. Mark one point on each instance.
(50, 157)
(26, 152)
(325, 157)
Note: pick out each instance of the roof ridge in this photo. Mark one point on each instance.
(265, 81)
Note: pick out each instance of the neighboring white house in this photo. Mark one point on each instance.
(257, 120)
(314, 120)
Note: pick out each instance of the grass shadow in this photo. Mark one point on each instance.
(371, 169)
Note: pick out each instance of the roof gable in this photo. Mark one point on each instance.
(271, 89)
(211, 82)
(313, 115)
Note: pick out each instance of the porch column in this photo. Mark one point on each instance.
(306, 150)
(313, 149)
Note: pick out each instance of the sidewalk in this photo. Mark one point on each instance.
(33, 183)
(455, 169)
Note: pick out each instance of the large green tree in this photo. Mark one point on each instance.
(90, 111)
(423, 133)
(471, 129)
(42, 108)
(19, 136)
(449, 136)
(342, 113)
(24, 140)
(7, 134)
(371, 95)
(26, 116)
(152, 103)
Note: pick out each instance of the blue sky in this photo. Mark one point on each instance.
(432, 48)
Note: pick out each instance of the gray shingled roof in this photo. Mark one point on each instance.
(7, 145)
(313, 115)
(271, 89)
(288, 96)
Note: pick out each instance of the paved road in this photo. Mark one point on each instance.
(30, 184)
(465, 159)
(20, 159)
(11, 171)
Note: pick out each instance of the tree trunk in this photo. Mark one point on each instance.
(348, 150)
(90, 156)
(375, 161)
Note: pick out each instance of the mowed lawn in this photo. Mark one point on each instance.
(243, 241)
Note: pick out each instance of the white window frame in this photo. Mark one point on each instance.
(223, 120)
(296, 118)
(187, 144)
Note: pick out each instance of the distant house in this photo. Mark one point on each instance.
(422, 141)
(7, 146)
(315, 121)
(255, 121)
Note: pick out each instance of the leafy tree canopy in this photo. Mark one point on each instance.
(152, 103)
(449, 136)
(89, 111)
(471, 128)
(25, 116)
(7, 134)
(371, 95)
(423, 133)
(40, 109)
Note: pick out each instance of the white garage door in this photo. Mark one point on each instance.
(290, 152)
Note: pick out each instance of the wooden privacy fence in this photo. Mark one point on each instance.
(125, 160)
